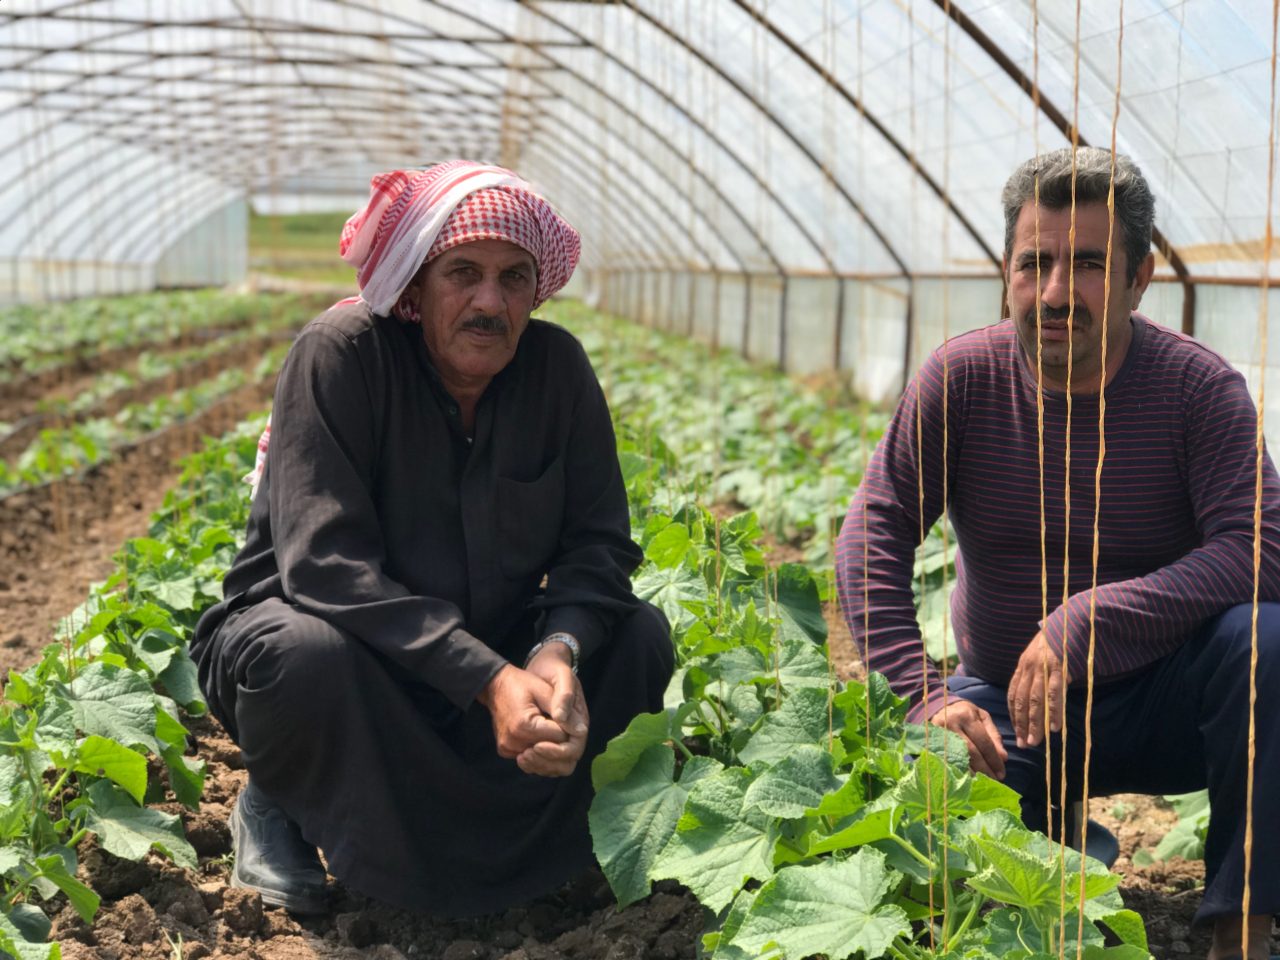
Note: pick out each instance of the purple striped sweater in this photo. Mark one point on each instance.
(1176, 524)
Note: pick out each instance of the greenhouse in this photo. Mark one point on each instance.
(888, 531)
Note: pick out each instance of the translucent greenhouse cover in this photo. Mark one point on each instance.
(866, 140)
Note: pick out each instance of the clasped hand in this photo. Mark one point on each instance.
(539, 713)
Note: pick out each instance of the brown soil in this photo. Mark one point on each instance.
(244, 354)
(150, 906)
(21, 396)
(58, 539)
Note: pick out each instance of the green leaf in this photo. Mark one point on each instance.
(56, 729)
(669, 547)
(848, 799)
(802, 664)
(186, 776)
(917, 738)
(719, 944)
(156, 649)
(794, 784)
(632, 819)
(31, 922)
(130, 831)
(670, 589)
(114, 703)
(798, 604)
(833, 908)
(872, 826)
(181, 679)
(1015, 934)
(930, 786)
(720, 843)
(1128, 926)
(802, 720)
(178, 592)
(986, 794)
(1187, 837)
(101, 757)
(10, 857)
(624, 751)
(84, 900)
(1012, 875)
(168, 728)
(13, 942)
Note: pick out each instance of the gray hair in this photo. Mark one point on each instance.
(1135, 206)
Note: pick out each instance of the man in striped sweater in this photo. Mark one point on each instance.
(983, 432)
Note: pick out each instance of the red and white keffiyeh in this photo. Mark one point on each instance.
(413, 216)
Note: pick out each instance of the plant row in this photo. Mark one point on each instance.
(37, 337)
(57, 452)
(94, 731)
(154, 366)
(805, 814)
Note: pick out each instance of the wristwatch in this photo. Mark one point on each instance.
(575, 651)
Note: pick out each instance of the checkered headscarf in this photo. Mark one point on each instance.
(414, 216)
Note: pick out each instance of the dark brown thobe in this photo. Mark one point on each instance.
(393, 565)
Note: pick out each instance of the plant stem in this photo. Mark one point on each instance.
(919, 857)
(974, 907)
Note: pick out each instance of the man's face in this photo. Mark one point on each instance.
(1049, 260)
(475, 302)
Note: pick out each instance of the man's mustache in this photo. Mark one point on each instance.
(487, 324)
(1060, 315)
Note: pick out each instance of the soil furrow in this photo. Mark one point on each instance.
(21, 396)
(58, 538)
(239, 355)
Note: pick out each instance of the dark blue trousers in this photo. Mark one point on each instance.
(1180, 725)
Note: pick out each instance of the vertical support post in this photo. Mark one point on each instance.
(837, 344)
(746, 317)
(782, 323)
(693, 303)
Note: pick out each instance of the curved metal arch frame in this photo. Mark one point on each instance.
(1061, 121)
(152, 81)
(669, 217)
(662, 174)
(777, 122)
(782, 207)
(620, 228)
(877, 125)
(211, 53)
(653, 230)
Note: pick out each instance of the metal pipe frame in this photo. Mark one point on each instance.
(1059, 119)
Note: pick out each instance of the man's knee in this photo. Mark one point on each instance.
(1230, 641)
(291, 653)
(643, 641)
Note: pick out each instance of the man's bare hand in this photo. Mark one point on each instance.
(986, 750)
(520, 703)
(548, 759)
(554, 664)
(1037, 691)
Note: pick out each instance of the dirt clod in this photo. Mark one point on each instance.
(140, 924)
(242, 911)
(356, 929)
(465, 950)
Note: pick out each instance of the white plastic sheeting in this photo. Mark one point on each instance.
(813, 182)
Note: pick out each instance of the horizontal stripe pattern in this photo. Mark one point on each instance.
(1176, 519)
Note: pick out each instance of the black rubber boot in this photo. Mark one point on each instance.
(273, 858)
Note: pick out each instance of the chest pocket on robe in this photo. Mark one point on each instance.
(530, 515)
